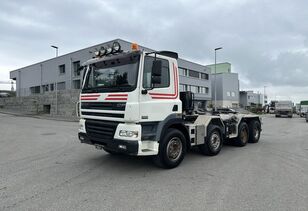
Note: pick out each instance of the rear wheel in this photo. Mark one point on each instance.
(243, 135)
(254, 131)
(213, 141)
(172, 149)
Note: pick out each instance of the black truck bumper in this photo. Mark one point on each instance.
(115, 145)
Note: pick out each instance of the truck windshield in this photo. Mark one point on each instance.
(114, 75)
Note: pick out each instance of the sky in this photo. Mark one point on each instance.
(265, 41)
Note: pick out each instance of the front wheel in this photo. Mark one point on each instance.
(172, 149)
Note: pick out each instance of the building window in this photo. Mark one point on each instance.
(76, 66)
(233, 94)
(228, 94)
(206, 90)
(35, 89)
(62, 69)
(182, 87)
(45, 88)
(194, 89)
(185, 87)
(182, 71)
(147, 71)
(193, 74)
(205, 76)
(51, 87)
(76, 84)
(61, 86)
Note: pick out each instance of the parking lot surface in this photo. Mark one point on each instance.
(44, 167)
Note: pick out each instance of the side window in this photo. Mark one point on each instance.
(147, 70)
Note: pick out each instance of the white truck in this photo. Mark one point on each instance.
(130, 103)
(284, 108)
(303, 108)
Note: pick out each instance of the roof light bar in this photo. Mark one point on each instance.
(103, 51)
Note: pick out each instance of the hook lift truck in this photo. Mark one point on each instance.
(130, 103)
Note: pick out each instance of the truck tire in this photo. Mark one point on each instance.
(254, 131)
(172, 149)
(243, 135)
(213, 141)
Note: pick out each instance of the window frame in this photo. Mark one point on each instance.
(155, 87)
(60, 67)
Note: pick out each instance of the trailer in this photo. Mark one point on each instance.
(130, 103)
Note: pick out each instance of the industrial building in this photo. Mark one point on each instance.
(61, 73)
(227, 85)
(250, 99)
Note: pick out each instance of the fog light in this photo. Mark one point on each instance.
(122, 146)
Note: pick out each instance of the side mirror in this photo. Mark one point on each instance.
(156, 72)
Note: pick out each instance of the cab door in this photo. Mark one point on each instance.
(157, 101)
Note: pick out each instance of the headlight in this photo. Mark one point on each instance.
(128, 133)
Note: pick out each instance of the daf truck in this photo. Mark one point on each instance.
(130, 103)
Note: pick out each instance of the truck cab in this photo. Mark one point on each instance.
(130, 103)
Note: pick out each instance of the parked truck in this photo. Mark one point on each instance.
(130, 103)
(303, 108)
(284, 108)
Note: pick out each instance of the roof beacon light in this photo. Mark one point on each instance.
(116, 47)
(135, 47)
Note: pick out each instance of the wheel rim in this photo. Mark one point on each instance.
(256, 133)
(244, 135)
(215, 141)
(174, 149)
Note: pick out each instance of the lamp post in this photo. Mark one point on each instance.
(57, 49)
(56, 84)
(265, 96)
(215, 105)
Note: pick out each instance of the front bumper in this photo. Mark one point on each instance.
(141, 146)
(116, 145)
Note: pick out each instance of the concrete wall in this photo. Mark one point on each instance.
(61, 104)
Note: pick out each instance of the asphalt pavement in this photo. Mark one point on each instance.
(43, 166)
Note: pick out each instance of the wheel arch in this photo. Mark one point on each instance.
(217, 122)
(175, 123)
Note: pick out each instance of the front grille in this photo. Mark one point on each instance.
(116, 106)
(103, 114)
(100, 131)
